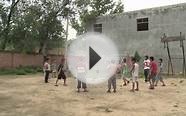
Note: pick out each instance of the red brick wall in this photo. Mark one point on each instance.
(27, 60)
(12, 60)
(5, 60)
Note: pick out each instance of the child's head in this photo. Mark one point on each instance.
(133, 60)
(124, 60)
(146, 57)
(161, 60)
(47, 60)
(151, 58)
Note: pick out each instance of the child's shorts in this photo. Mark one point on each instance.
(153, 77)
(134, 79)
(159, 77)
(63, 76)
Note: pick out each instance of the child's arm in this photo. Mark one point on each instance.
(132, 68)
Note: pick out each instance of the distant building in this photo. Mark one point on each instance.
(141, 30)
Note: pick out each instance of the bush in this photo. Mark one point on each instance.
(137, 56)
(21, 70)
(7, 71)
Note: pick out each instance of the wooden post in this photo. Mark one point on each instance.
(184, 62)
(170, 60)
(168, 67)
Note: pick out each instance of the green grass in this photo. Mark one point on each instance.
(21, 71)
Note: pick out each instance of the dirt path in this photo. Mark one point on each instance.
(29, 96)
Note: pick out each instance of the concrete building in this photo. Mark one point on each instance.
(142, 31)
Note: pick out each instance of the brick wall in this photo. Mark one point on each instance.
(13, 60)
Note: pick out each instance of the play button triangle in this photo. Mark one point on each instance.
(93, 58)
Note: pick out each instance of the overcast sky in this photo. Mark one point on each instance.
(131, 5)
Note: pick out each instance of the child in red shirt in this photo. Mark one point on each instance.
(153, 72)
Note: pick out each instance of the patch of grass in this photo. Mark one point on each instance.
(21, 71)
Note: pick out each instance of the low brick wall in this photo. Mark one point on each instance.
(13, 60)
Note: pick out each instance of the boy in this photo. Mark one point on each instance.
(81, 73)
(135, 74)
(146, 67)
(159, 75)
(61, 74)
(46, 69)
(112, 80)
(124, 72)
(153, 72)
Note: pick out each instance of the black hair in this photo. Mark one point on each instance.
(134, 59)
(152, 58)
(146, 57)
(46, 59)
(161, 59)
(124, 60)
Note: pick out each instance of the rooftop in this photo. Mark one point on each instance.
(162, 9)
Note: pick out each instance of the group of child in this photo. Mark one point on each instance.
(55, 71)
(129, 72)
(60, 72)
(126, 73)
(152, 72)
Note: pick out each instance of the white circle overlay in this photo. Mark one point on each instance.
(78, 58)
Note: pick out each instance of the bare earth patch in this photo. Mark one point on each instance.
(29, 96)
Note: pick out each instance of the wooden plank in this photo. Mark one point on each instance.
(172, 38)
(170, 60)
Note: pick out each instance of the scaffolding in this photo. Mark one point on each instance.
(165, 39)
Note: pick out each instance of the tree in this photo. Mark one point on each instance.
(35, 24)
(50, 28)
(6, 30)
(90, 9)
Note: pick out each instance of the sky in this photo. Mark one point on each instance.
(131, 5)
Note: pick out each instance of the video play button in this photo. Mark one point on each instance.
(89, 57)
(93, 58)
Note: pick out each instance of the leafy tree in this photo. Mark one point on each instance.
(7, 18)
(35, 24)
(137, 56)
(88, 10)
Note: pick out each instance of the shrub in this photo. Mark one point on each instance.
(21, 70)
(137, 56)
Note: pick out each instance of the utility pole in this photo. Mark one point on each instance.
(66, 38)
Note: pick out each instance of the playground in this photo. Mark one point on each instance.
(30, 96)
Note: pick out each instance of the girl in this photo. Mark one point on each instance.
(124, 72)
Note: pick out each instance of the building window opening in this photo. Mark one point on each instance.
(98, 28)
(142, 24)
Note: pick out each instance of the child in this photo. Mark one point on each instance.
(81, 73)
(159, 75)
(135, 74)
(153, 72)
(61, 74)
(112, 80)
(146, 65)
(46, 69)
(124, 72)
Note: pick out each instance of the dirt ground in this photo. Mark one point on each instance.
(29, 96)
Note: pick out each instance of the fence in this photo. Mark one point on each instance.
(13, 60)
